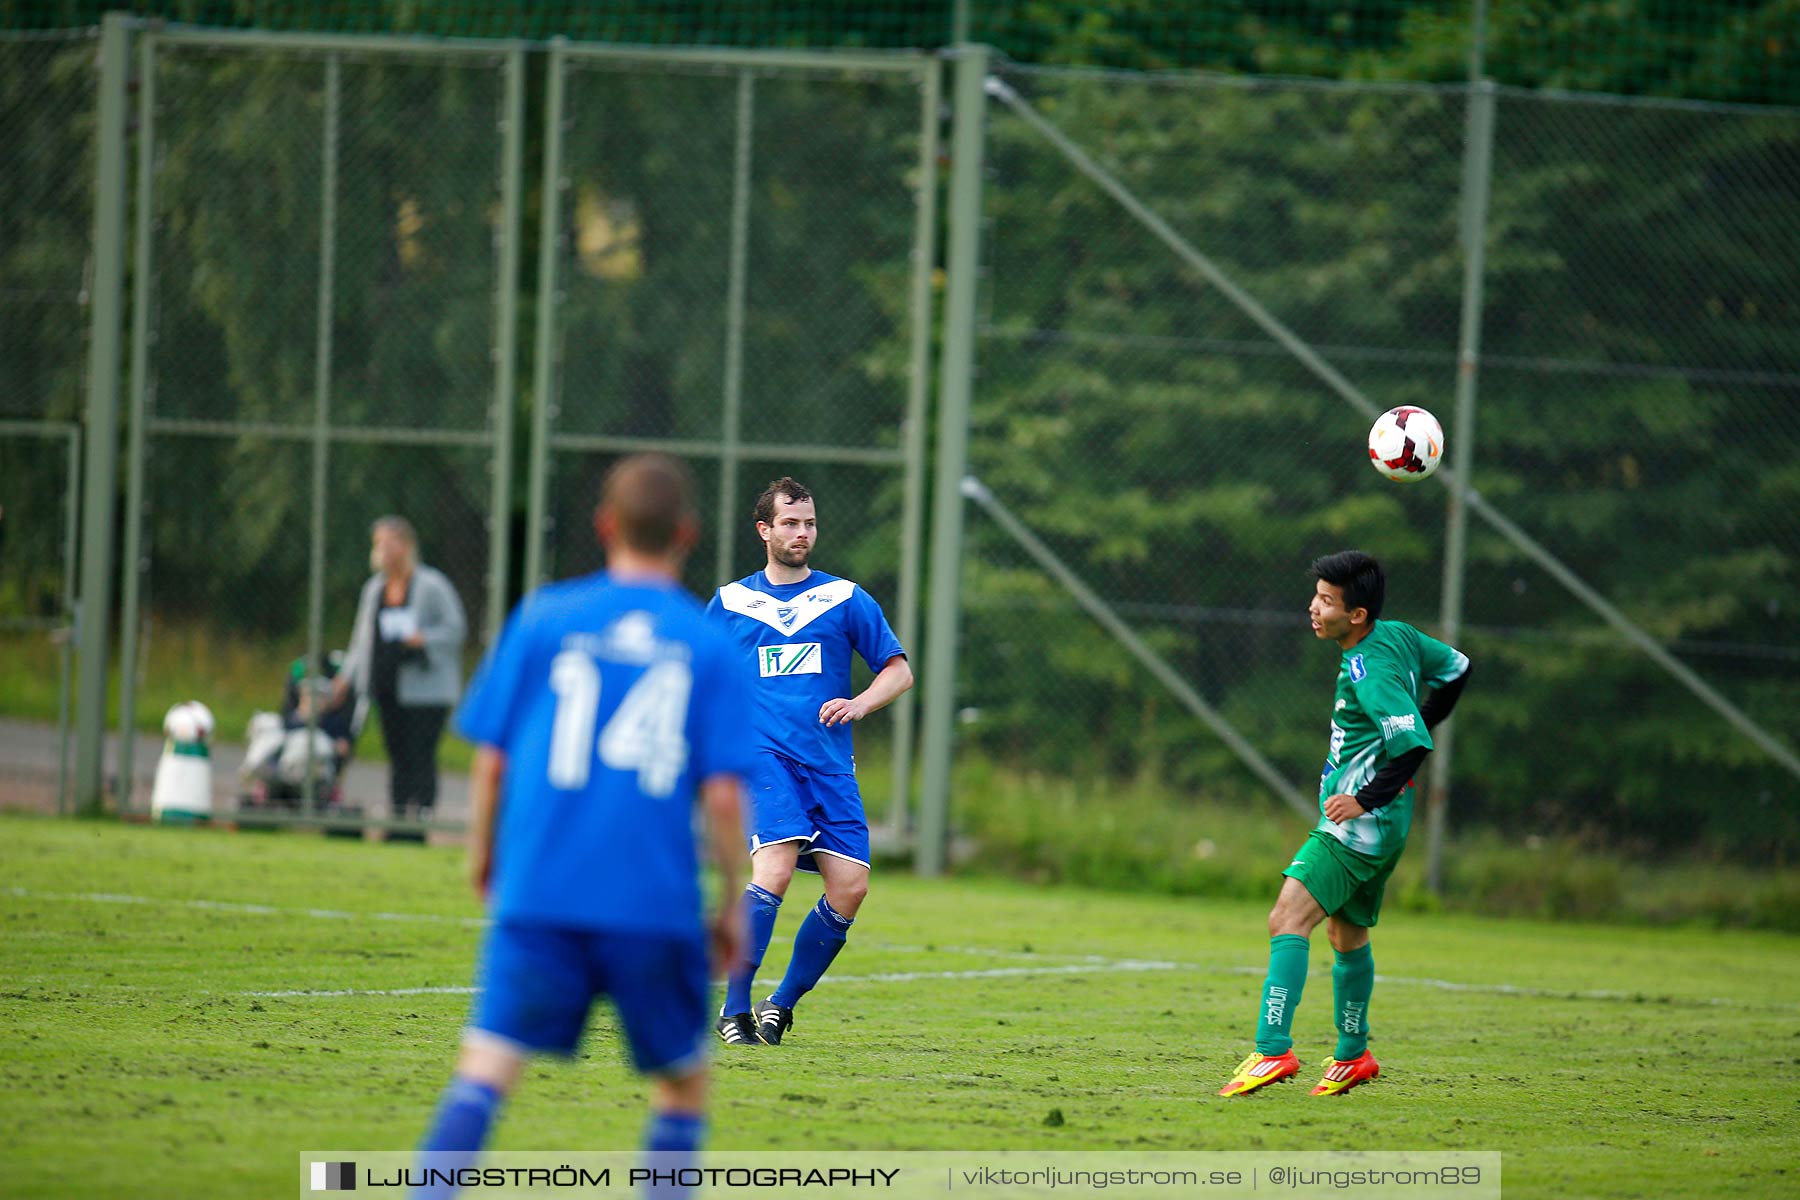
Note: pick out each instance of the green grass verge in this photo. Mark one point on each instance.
(1097, 832)
(1603, 1061)
(1140, 837)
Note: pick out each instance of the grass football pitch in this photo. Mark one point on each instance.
(186, 1010)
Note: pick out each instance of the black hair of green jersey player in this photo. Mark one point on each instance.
(1358, 576)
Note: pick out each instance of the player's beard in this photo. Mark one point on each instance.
(790, 555)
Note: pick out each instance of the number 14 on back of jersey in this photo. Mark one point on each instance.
(647, 733)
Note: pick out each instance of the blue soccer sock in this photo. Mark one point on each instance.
(458, 1130)
(762, 907)
(820, 938)
(672, 1142)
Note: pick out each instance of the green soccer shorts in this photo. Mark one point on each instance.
(1346, 884)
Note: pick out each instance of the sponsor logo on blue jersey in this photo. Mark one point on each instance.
(795, 658)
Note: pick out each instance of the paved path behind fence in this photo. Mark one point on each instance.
(28, 773)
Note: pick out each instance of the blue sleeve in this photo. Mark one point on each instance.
(722, 745)
(486, 714)
(715, 609)
(870, 632)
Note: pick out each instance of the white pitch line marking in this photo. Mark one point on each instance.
(330, 914)
(1084, 964)
(254, 910)
(306, 994)
(1108, 967)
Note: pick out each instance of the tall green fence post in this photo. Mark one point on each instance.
(66, 652)
(731, 420)
(506, 320)
(916, 435)
(955, 389)
(100, 492)
(131, 558)
(1478, 158)
(543, 386)
(321, 427)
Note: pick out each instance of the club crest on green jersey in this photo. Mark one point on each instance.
(1358, 669)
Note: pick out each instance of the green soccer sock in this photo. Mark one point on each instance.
(1281, 993)
(1352, 980)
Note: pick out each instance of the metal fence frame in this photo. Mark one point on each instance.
(975, 89)
(129, 52)
(319, 435)
(729, 449)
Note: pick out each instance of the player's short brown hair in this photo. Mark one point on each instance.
(787, 486)
(650, 496)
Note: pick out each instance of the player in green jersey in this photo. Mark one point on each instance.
(1380, 733)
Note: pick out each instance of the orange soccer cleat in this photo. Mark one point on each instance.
(1340, 1077)
(1261, 1069)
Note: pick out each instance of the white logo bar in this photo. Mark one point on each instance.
(794, 658)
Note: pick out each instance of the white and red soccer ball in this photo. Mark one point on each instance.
(189, 723)
(1406, 444)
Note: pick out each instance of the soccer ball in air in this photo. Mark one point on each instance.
(1406, 443)
(189, 723)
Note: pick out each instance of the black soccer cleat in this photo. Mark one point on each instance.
(772, 1021)
(737, 1030)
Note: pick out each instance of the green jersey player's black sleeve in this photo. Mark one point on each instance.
(1446, 671)
(1443, 699)
(1390, 779)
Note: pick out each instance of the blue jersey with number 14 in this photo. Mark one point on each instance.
(795, 639)
(612, 702)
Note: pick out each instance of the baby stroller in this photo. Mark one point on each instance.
(275, 762)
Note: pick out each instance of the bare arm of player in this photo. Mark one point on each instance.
(893, 678)
(484, 807)
(722, 800)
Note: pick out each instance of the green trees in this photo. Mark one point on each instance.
(1638, 394)
(1637, 332)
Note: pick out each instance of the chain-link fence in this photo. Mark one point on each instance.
(1640, 415)
(1145, 431)
(741, 276)
(321, 264)
(46, 196)
(1718, 49)
(1195, 292)
(1160, 445)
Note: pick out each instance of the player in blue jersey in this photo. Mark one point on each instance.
(609, 704)
(795, 629)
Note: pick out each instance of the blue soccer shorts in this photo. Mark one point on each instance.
(539, 981)
(792, 803)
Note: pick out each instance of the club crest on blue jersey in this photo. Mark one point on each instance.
(786, 616)
(1358, 669)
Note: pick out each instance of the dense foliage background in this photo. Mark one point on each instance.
(1639, 413)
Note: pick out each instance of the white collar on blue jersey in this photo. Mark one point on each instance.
(787, 616)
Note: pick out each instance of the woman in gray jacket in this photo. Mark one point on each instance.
(406, 654)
